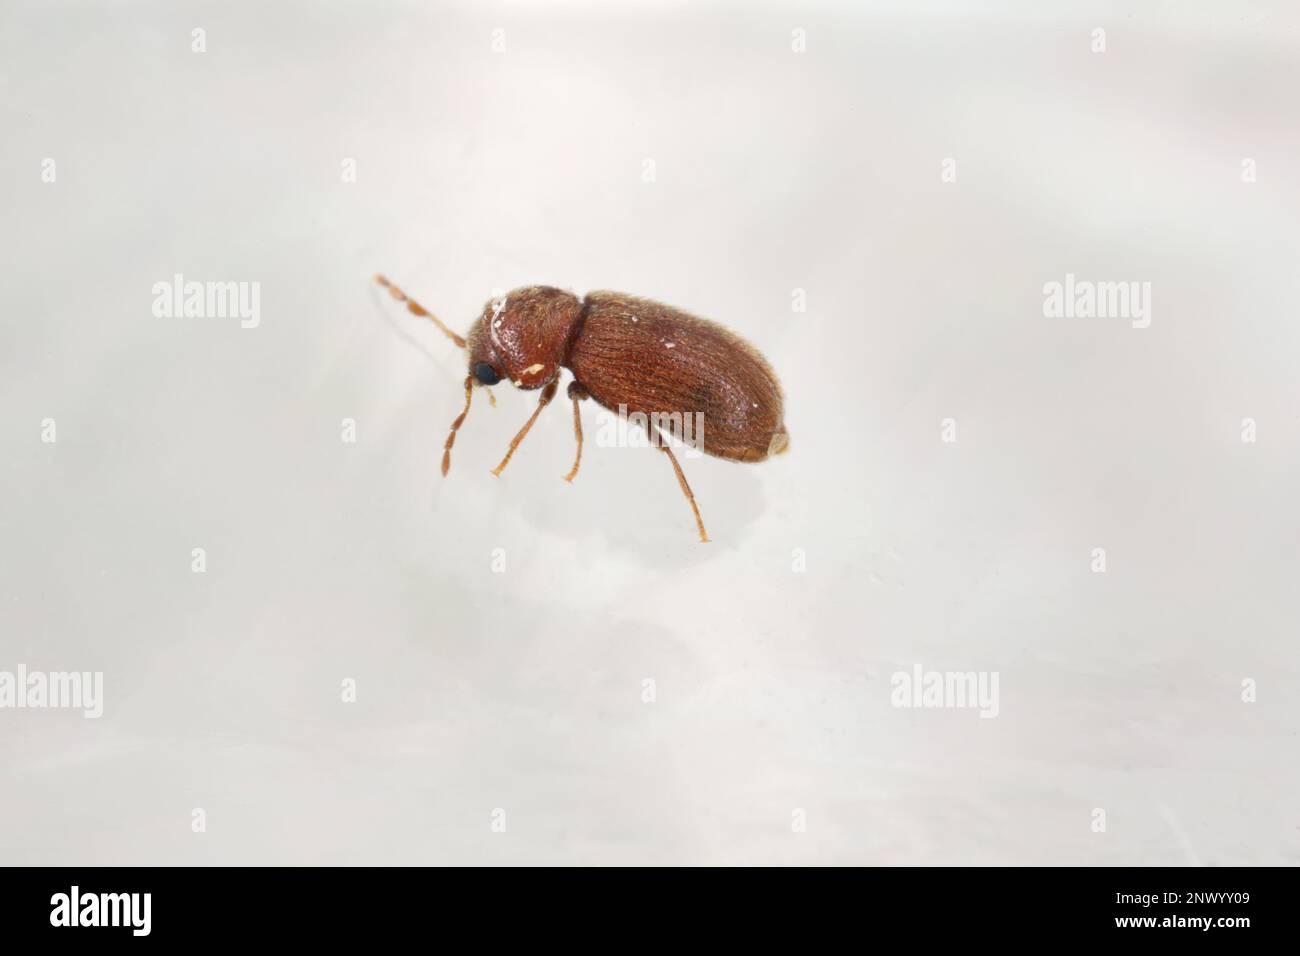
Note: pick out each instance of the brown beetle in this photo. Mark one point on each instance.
(632, 356)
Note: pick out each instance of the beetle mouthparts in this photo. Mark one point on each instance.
(779, 443)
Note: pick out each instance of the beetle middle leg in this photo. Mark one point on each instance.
(577, 393)
(662, 443)
(548, 393)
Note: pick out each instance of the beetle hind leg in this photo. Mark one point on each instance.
(662, 443)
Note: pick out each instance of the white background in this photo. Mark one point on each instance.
(522, 690)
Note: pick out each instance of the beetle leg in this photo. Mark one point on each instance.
(547, 394)
(455, 426)
(681, 480)
(416, 309)
(577, 393)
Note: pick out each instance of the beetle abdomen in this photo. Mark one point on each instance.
(657, 360)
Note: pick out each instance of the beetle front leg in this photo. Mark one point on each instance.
(548, 393)
(577, 393)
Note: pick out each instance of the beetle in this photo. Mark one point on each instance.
(631, 355)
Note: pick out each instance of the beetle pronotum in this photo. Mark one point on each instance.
(630, 355)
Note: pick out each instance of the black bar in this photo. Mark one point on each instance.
(769, 906)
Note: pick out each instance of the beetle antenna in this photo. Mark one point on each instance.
(416, 309)
(455, 426)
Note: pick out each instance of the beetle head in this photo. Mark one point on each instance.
(523, 336)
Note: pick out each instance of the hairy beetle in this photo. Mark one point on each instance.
(631, 355)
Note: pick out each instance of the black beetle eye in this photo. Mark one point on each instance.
(486, 374)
